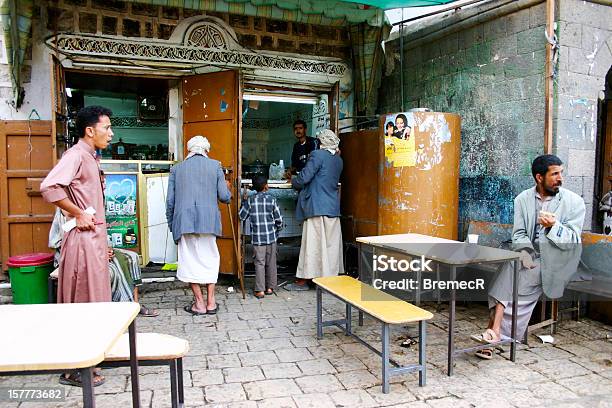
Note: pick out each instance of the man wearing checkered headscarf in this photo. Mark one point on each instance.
(319, 208)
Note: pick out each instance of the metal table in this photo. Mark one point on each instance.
(417, 245)
(55, 338)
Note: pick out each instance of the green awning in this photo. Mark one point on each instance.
(394, 4)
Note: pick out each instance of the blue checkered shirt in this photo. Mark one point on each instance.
(266, 220)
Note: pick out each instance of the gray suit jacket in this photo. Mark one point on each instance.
(560, 245)
(318, 185)
(194, 187)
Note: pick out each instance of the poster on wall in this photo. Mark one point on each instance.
(121, 212)
(400, 148)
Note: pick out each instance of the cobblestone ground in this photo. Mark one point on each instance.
(264, 353)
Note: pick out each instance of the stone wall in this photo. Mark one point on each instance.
(486, 63)
(492, 74)
(585, 35)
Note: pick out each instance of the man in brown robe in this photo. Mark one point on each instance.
(73, 185)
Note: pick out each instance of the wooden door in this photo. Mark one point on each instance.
(26, 157)
(211, 109)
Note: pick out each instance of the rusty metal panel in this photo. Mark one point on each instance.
(26, 156)
(421, 195)
(358, 201)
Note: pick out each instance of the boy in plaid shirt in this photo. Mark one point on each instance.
(266, 223)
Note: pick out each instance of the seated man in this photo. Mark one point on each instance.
(123, 267)
(547, 227)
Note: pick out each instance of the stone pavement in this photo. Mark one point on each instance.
(264, 353)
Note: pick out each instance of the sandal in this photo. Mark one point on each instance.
(259, 295)
(487, 337)
(189, 309)
(269, 292)
(146, 312)
(74, 379)
(485, 354)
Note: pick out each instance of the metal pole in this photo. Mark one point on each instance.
(422, 354)
(402, 64)
(134, 365)
(548, 95)
(319, 313)
(451, 324)
(514, 310)
(88, 391)
(347, 327)
(385, 358)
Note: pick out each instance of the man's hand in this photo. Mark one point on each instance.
(245, 193)
(527, 260)
(546, 219)
(110, 252)
(85, 222)
(287, 175)
(229, 185)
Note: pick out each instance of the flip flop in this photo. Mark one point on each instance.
(212, 311)
(271, 292)
(485, 354)
(259, 295)
(189, 309)
(74, 379)
(487, 337)
(146, 312)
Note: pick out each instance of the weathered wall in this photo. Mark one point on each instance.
(487, 64)
(492, 74)
(123, 19)
(585, 35)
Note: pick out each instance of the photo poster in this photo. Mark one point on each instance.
(400, 147)
(120, 196)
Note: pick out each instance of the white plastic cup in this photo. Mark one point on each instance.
(472, 238)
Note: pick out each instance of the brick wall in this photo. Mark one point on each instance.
(585, 35)
(492, 74)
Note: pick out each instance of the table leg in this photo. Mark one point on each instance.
(181, 389)
(359, 269)
(319, 313)
(347, 327)
(514, 310)
(422, 350)
(451, 323)
(385, 358)
(88, 387)
(134, 366)
(173, 384)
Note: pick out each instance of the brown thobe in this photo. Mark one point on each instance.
(83, 268)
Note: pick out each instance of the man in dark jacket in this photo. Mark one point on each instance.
(319, 208)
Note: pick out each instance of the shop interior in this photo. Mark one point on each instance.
(140, 112)
(267, 143)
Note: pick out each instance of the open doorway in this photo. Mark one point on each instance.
(268, 140)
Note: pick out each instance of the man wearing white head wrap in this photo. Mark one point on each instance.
(194, 187)
(319, 207)
(198, 145)
(328, 141)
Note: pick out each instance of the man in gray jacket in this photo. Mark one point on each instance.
(194, 189)
(318, 207)
(547, 227)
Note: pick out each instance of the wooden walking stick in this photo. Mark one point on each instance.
(235, 238)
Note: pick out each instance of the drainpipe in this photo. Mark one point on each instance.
(548, 95)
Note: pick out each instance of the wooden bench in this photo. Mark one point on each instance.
(154, 349)
(381, 306)
(590, 279)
